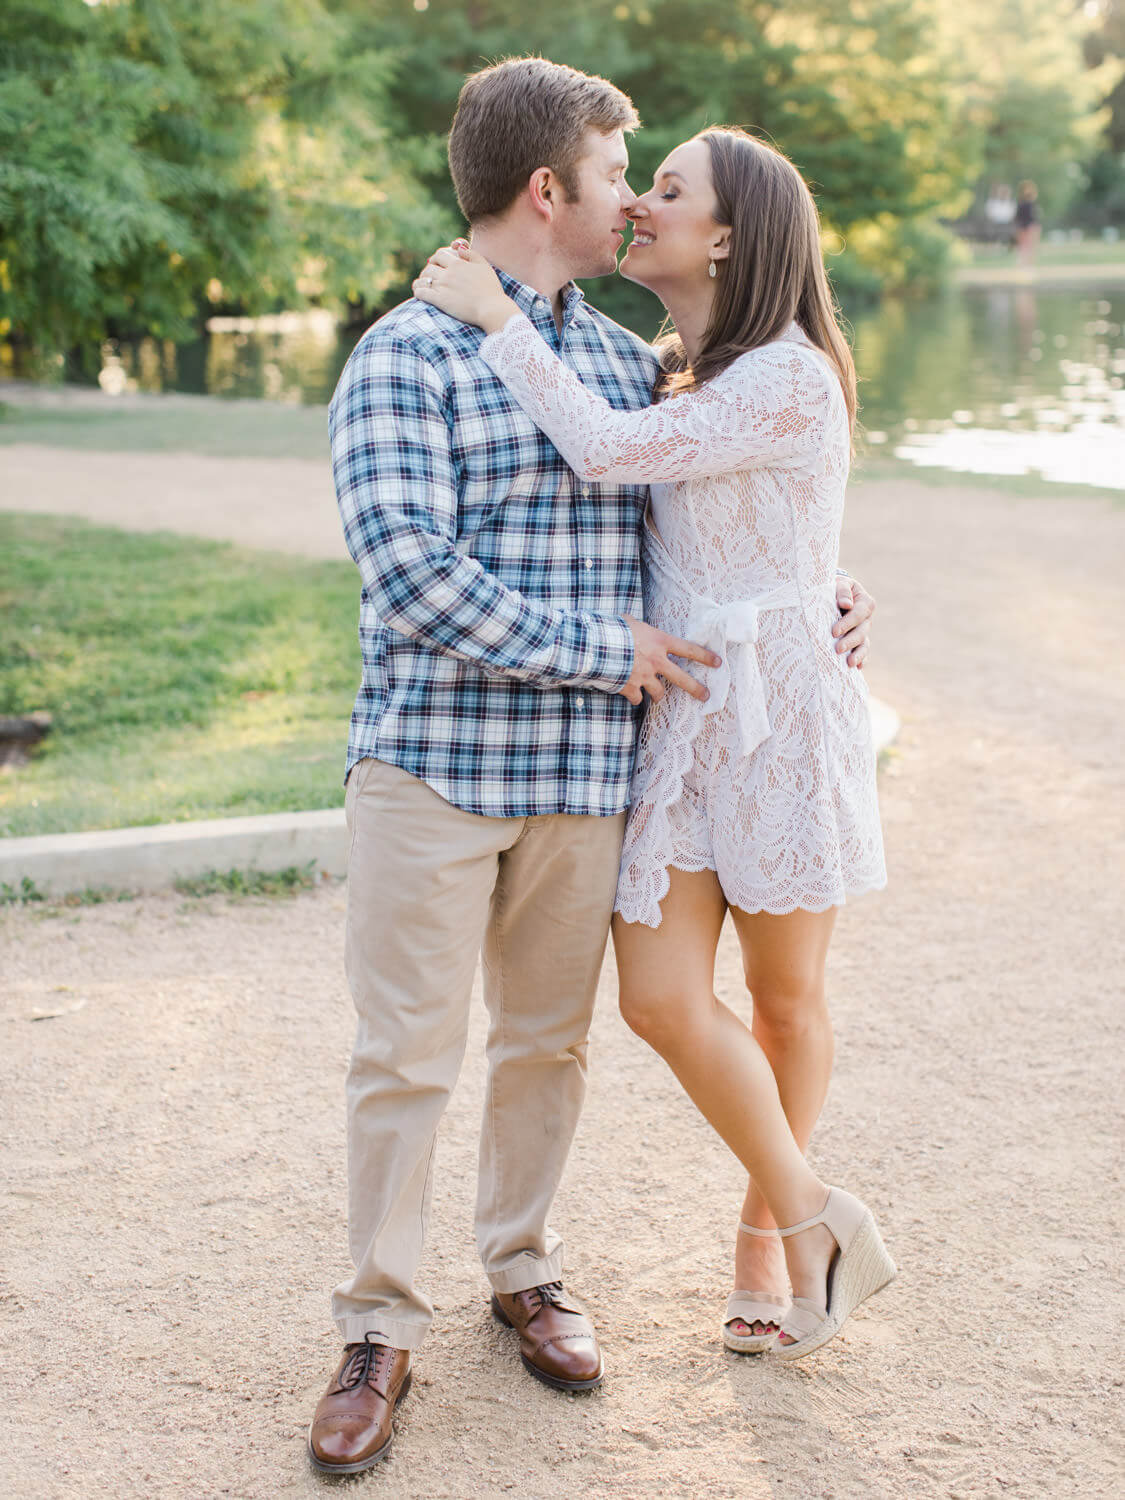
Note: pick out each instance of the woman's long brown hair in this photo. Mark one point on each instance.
(774, 274)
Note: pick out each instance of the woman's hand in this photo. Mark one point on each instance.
(463, 284)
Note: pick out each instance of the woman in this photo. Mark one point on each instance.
(762, 800)
(1029, 226)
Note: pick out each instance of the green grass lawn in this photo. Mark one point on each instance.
(1089, 252)
(186, 678)
(170, 424)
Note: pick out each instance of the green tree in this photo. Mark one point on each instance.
(1102, 200)
(74, 196)
(851, 89)
(162, 157)
(1031, 104)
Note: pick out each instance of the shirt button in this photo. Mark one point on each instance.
(589, 563)
(580, 703)
(586, 490)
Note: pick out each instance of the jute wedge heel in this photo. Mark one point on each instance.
(752, 1307)
(859, 1268)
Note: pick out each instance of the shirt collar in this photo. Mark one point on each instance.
(537, 307)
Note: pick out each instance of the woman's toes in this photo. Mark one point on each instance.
(757, 1328)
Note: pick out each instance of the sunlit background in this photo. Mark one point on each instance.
(264, 179)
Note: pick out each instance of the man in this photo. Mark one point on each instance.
(492, 739)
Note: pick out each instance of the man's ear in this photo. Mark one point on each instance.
(543, 190)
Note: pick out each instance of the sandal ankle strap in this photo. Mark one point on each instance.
(763, 1234)
(819, 1218)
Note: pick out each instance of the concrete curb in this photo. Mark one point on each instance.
(148, 859)
(885, 723)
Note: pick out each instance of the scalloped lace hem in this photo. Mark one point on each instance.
(752, 905)
(657, 834)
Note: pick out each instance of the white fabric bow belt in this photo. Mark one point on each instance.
(731, 631)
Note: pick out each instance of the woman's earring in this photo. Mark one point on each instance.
(711, 269)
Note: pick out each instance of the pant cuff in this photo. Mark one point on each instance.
(527, 1272)
(393, 1331)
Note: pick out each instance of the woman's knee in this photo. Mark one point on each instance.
(658, 1014)
(788, 1012)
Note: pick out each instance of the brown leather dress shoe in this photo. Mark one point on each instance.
(351, 1427)
(558, 1344)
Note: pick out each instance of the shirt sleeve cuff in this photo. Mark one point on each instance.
(604, 652)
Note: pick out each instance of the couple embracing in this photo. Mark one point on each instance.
(608, 673)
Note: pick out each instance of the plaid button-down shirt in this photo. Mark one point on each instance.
(494, 579)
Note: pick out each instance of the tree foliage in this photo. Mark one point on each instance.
(160, 159)
(851, 89)
(1026, 88)
(1103, 199)
(163, 157)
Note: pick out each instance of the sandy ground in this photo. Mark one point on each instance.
(172, 1152)
(283, 504)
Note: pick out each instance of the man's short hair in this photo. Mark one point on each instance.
(521, 114)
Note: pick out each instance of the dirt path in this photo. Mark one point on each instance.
(281, 504)
(172, 1152)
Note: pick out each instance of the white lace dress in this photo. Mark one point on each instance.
(771, 783)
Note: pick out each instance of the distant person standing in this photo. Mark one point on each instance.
(1029, 226)
(1000, 207)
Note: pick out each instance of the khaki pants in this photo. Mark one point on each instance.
(427, 884)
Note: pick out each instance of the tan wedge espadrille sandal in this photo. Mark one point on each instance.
(752, 1307)
(859, 1268)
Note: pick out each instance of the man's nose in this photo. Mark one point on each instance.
(627, 196)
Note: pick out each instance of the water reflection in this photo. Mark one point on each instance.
(294, 358)
(1005, 380)
(1084, 455)
(994, 380)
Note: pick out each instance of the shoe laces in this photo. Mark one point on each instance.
(366, 1362)
(550, 1294)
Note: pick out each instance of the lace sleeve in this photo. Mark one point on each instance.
(770, 407)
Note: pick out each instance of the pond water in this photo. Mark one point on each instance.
(1008, 380)
(1003, 380)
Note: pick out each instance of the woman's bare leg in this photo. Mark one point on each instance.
(783, 959)
(668, 998)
